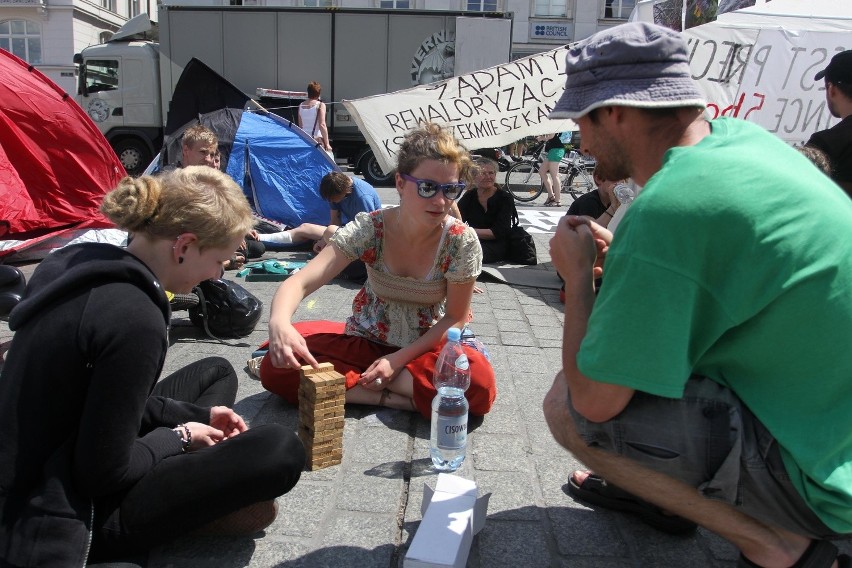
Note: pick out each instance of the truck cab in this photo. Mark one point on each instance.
(119, 88)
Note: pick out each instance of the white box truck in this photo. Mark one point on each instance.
(126, 84)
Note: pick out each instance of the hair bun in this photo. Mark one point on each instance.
(133, 203)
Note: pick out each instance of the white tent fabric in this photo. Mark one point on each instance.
(759, 63)
(810, 15)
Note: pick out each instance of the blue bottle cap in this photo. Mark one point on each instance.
(453, 334)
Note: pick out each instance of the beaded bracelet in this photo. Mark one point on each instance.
(186, 438)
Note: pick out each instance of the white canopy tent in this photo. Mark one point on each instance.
(758, 63)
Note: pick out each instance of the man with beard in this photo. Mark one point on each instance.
(709, 382)
(836, 142)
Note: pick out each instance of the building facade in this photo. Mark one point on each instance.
(47, 33)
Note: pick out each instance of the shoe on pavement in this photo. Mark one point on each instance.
(597, 491)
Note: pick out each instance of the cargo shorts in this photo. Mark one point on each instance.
(710, 440)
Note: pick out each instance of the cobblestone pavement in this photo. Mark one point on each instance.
(364, 512)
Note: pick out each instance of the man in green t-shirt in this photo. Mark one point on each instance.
(710, 382)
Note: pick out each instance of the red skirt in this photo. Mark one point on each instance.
(352, 355)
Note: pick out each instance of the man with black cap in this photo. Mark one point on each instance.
(711, 378)
(836, 142)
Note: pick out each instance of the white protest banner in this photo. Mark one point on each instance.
(487, 108)
(765, 76)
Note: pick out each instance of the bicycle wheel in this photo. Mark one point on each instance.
(523, 182)
(578, 183)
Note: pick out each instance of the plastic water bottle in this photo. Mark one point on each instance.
(623, 193)
(448, 440)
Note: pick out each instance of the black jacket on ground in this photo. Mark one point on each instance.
(78, 425)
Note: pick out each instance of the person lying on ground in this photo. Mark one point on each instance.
(421, 265)
(94, 450)
(724, 406)
(347, 197)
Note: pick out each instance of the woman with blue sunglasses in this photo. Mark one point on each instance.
(422, 265)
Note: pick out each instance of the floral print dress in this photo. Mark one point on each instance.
(397, 310)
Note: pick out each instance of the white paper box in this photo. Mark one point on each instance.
(452, 514)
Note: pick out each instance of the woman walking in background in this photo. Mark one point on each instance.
(549, 170)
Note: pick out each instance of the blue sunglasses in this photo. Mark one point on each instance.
(427, 188)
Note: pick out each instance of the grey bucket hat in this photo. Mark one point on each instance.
(636, 64)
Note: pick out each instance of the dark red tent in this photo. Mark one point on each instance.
(55, 165)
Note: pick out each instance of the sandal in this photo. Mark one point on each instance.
(820, 554)
(547, 202)
(235, 262)
(597, 491)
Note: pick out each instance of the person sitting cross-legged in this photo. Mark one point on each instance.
(422, 265)
(489, 210)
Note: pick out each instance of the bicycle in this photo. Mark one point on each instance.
(524, 182)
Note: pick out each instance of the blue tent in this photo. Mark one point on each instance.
(280, 168)
(276, 163)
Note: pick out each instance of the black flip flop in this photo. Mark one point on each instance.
(597, 491)
(820, 554)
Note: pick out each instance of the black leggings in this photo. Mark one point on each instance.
(187, 491)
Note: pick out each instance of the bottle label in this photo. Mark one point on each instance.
(452, 432)
(462, 363)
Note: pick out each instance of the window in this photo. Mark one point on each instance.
(618, 9)
(480, 5)
(551, 8)
(318, 3)
(398, 4)
(107, 5)
(23, 38)
(132, 8)
(101, 75)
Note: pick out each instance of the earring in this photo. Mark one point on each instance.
(180, 260)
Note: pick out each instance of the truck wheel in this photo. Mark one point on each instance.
(372, 173)
(133, 154)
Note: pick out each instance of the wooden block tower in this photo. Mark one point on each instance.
(321, 395)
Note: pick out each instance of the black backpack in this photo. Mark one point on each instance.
(225, 309)
(521, 246)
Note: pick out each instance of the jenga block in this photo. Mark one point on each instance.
(321, 368)
(319, 414)
(324, 436)
(328, 425)
(323, 447)
(319, 461)
(322, 393)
